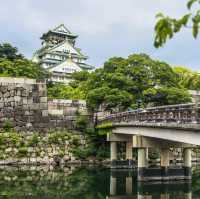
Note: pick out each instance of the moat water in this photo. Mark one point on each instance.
(88, 183)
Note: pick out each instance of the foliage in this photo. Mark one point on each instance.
(166, 95)
(81, 122)
(105, 125)
(7, 126)
(187, 78)
(104, 128)
(81, 153)
(96, 145)
(7, 51)
(13, 64)
(62, 91)
(154, 154)
(34, 140)
(166, 26)
(22, 68)
(57, 137)
(122, 83)
(22, 152)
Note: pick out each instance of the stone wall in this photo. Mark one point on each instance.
(195, 96)
(66, 107)
(24, 103)
(34, 148)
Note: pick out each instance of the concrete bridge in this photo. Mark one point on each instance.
(165, 127)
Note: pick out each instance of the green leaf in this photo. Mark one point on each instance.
(159, 15)
(195, 30)
(190, 3)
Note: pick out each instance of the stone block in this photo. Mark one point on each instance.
(45, 113)
(18, 93)
(43, 106)
(34, 106)
(24, 93)
(17, 98)
(25, 100)
(43, 99)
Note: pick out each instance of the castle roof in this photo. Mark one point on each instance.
(67, 66)
(59, 30)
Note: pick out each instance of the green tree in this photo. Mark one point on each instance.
(166, 96)
(13, 64)
(62, 91)
(9, 52)
(22, 68)
(187, 78)
(121, 83)
(166, 26)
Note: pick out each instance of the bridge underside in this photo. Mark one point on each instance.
(174, 135)
(163, 139)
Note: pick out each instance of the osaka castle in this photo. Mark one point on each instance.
(60, 55)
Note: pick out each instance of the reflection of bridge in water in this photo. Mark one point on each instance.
(127, 187)
(176, 126)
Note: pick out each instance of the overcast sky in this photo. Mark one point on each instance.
(106, 28)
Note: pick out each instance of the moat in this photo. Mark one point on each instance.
(88, 183)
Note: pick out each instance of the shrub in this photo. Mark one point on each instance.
(81, 153)
(81, 122)
(22, 152)
(34, 140)
(2, 139)
(7, 126)
(75, 141)
(54, 138)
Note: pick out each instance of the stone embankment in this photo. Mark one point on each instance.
(24, 103)
(31, 132)
(34, 148)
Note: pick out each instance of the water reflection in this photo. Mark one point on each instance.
(87, 183)
(123, 185)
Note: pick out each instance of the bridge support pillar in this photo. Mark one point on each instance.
(188, 195)
(113, 185)
(187, 153)
(164, 162)
(164, 196)
(129, 153)
(113, 151)
(141, 163)
(129, 185)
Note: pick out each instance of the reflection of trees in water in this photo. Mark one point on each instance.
(52, 184)
(196, 182)
(80, 183)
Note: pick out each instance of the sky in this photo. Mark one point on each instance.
(106, 28)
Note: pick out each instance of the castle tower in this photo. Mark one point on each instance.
(59, 54)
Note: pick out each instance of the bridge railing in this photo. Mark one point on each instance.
(182, 113)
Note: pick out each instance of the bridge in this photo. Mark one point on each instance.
(164, 127)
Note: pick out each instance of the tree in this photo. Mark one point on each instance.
(121, 83)
(62, 91)
(187, 78)
(13, 64)
(166, 96)
(166, 26)
(9, 52)
(22, 68)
